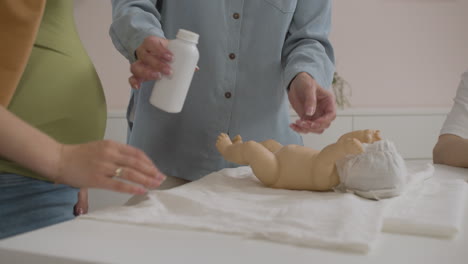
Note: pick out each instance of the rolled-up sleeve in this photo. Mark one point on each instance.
(132, 22)
(307, 47)
(456, 122)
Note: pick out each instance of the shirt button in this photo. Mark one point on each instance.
(236, 16)
(227, 95)
(232, 56)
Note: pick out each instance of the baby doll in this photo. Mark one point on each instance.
(294, 167)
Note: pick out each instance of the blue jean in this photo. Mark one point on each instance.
(27, 204)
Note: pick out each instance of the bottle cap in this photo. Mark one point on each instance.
(187, 35)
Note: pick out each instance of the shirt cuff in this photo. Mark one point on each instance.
(317, 74)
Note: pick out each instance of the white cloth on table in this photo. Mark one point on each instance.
(233, 201)
(432, 207)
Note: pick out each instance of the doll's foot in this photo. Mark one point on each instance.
(223, 142)
(377, 136)
(370, 136)
(237, 139)
(353, 146)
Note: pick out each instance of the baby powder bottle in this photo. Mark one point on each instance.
(169, 93)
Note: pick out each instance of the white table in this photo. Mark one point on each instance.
(87, 241)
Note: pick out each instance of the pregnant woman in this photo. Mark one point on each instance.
(52, 108)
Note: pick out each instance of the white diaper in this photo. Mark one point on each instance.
(377, 173)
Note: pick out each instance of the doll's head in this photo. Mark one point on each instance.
(377, 173)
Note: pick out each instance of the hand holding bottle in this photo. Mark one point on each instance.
(153, 61)
(169, 93)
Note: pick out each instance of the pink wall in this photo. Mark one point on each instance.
(394, 53)
(401, 53)
(93, 19)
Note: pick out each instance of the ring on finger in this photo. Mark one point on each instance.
(118, 172)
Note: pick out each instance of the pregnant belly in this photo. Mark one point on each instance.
(62, 96)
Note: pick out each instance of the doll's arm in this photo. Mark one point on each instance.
(364, 136)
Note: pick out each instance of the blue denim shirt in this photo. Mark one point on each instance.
(249, 52)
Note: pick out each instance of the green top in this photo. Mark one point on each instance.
(59, 92)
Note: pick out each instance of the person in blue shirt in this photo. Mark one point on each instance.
(256, 59)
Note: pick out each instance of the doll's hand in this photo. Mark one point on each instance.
(315, 106)
(153, 60)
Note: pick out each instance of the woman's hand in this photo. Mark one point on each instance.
(153, 59)
(315, 106)
(104, 164)
(100, 164)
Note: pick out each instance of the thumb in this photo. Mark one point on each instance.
(310, 101)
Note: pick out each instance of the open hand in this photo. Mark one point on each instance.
(315, 106)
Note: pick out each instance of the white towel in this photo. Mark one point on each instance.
(234, 201)
(432, 207)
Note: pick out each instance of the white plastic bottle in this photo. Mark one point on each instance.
(169, 93)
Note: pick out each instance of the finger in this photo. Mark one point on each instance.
(316, 131)
(297, 128)
(81, 207)
(155, 53)
(138, 178)
(143, 72)
(119, 186)
(294, 127)
(310, 101)
(305, 123)
(157, 46)
(77, 210)
(125, 149)
(325, 119)
(308, 124)
(140, 70)
(157, 65)
(83, 195)
(136, 159)
(144, 168)
(305, 130)
(134, 82)
(122, 155)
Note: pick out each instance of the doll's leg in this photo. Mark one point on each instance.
(325, 162)
(262, 161)
(365, 136)
(271, 145)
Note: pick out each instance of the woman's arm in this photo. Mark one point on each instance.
(308, 62)
(85, 165)
(132, 22)
(307, 47)
(137, 33)
(451, 150)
